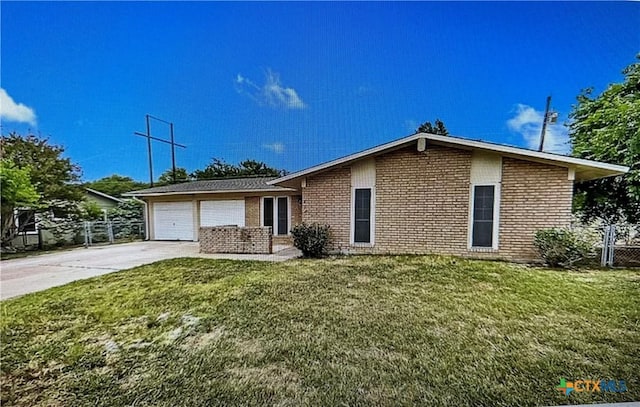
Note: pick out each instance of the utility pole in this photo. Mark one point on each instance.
(149, 150)
(150, 137)
(544, 123)
(550, 117)
(173, 155)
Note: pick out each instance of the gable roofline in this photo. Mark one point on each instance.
(596, 169)
(102, 194)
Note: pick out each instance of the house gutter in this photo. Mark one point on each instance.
(231, 191)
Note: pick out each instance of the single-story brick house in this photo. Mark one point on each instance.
(423, 193)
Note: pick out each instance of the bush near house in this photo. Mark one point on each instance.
(561, 247)
(311, 239)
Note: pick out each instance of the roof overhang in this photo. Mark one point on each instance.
(584, 169)
(235, 191)
(103, 195)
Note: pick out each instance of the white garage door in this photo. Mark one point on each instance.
(173, 220)
(220, 213)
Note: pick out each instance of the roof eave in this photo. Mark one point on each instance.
(103, 195)
(601, 169)
(231, 191)
(540, 156)
(346, 159)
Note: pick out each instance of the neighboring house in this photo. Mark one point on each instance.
(104, 201)
(28, 220)
(420, 194)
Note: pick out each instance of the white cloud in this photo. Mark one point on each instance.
(276, 147)
(272, 93)
(15, 112)
(527, 121)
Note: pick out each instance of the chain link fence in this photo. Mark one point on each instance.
(621, 246)
(89, 233)
(99, 232)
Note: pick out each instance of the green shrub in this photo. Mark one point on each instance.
(563, 247)
(312, 239)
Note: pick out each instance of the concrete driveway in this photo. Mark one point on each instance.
(39, 272)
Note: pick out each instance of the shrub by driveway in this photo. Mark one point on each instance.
(397, 330)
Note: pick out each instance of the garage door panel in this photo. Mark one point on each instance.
(220, 213)
(173, 220)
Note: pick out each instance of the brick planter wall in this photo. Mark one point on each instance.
(233, 239)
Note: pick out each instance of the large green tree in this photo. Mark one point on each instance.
(16, 191)
(116, 185)
(607, 128)
(53, 176)
(220, 169)
(437, 128)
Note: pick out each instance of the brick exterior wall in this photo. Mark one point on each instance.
(422, 204)
(296, 210)
(252, 211)
(534, 196)
(327, 199)
(422, 200)
(231, 239)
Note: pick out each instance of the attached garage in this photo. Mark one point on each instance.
(177, 211)
(222, 213)
(173, 221)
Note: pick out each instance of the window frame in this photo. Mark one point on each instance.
(275, 213)
(16, 217)
(495, 232)
(372, 219)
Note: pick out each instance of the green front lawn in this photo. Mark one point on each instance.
(345, 331)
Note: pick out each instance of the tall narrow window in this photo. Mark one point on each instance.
(483, 202)
(267, 219)
(283, 216)
(362, 216)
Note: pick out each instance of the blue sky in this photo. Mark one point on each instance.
(296, 84)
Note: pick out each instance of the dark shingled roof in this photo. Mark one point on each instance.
(213, 185)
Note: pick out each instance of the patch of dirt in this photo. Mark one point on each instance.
(201, 341)
(362, 279)
(189, 325)
(271, 376)
(249, 347)
(133, 380)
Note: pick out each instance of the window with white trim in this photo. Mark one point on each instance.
(482, 234)
(362, 215)
(276, 213)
